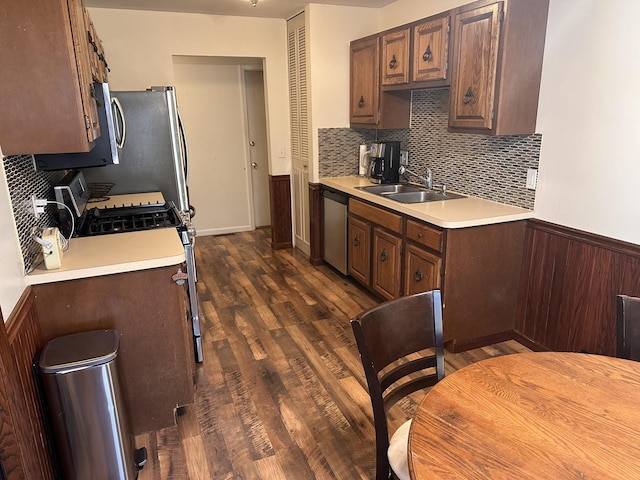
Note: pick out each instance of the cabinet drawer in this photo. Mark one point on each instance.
(424, 235)
(421, 271)
(388, 220)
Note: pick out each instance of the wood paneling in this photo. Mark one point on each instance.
(568, 287)
(316, 215)
(24, 447)
(280, 195)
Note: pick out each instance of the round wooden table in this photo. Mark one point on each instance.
(531, 416)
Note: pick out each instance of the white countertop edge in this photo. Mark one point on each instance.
(468, 212)
(112, 254)
(39, 277)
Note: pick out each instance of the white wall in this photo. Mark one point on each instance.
(329, 30)
(12, 280)
(212, 108)
(139, 46)
(588, 116)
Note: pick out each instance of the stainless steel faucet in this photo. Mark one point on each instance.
(428, 180)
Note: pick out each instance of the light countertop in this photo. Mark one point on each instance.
(115, 253)
(454, 213)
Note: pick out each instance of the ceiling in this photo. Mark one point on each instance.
(264, 8)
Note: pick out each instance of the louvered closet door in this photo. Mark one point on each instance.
(299, 117)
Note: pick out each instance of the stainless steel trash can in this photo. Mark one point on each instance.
(87, 411)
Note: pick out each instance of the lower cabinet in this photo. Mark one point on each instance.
(476, 268)
(359, 251)
(387, 261)
(421, 270)
(148, 310)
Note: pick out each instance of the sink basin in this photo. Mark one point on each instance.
(408, 193)
(422, 196)
(389, 189)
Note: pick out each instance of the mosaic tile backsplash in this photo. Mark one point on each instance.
(23, 182)
(488, 167)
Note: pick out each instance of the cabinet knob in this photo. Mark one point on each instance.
(356, 241)
(426, 56)
(418, 275)
(393, 63)
(383, 255)
(467, 96)
(361, 102)
(420, 235)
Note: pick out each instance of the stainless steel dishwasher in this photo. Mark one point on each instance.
(335, 228)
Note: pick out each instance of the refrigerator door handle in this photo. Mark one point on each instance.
(120, 122)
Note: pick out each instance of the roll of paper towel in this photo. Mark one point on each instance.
(364, 160)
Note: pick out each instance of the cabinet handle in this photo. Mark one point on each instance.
(361, 102)
(420, 235)
(426, 56)
(418, 275)
(383, 255)
(356, 241)
(467, 96)
(393, 63)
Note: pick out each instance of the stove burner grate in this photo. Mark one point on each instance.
(129, 219)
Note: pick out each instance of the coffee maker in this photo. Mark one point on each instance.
(384, 162)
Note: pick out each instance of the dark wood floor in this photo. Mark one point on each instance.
(281, 393)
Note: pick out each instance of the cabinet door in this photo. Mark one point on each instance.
(359, 251)
(395, 58)
(431, 50)
(421, 270)
(387, 251)
(365, 73)
(474, 71)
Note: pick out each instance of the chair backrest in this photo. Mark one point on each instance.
(628, 327)
(388, 333)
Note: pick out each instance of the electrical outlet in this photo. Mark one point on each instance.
(404, 158)
(36, 206)
(532, 178)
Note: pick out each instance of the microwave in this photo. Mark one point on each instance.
(107, 147)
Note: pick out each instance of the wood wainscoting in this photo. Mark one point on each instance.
(568, 288)
(280, 195)
(316, 215)
(25, 451)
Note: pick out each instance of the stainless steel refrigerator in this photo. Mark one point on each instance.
(154, 159)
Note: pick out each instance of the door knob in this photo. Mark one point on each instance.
(252, 143)
(254, 165)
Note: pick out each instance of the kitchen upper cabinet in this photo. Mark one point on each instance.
(497, 64)
(395, 57)
(46, 93)
(369, 107)
(431, 50)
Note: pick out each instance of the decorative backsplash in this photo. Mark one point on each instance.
(488, 167)
(23, 182)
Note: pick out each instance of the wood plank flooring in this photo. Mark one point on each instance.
(281, 393)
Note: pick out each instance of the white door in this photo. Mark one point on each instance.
(258, 151)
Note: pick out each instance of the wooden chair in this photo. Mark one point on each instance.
(628, 327)
(385, 334)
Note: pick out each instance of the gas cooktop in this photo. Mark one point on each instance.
(128, 219)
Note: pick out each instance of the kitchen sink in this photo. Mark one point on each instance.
(423, 196)
(389, 189)
(408, 193)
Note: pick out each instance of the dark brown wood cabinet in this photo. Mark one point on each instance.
(359, 250)
(49, 67)
(148, 309)
(395, 57)
(430, 40)
(369, 107)
(477, 268)
(497, 64)
(387, 263)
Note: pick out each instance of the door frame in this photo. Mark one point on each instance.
(247, 148)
